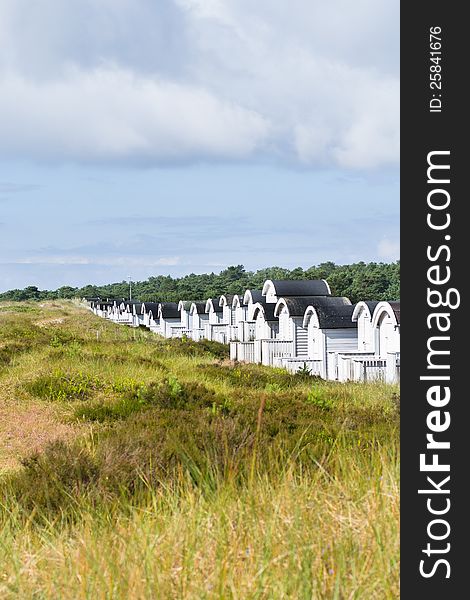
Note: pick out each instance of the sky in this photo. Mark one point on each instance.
(144, 137)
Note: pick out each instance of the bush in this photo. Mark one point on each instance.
(65, 387)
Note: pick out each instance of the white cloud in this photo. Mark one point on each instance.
(308, 82)
(109, 113)
(107, 261)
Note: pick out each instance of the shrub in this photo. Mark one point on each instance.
(61, 386)
(318, 397)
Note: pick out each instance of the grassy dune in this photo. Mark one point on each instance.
(137, 467)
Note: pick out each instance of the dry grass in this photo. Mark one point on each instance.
(271, 491)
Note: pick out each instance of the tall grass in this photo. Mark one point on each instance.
(190, 477)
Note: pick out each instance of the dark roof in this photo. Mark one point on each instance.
(396, 309)
(228, 298)
(200, 307)
(301, 287)
(299, 304)
(185, 304)
(169, 310)
(334, 313)
(256, 296)
(371, 304)
(215, 304)
(132, 303)
(268, 309)
(151, 306)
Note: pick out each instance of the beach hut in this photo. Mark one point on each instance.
(386, 323)
(169, 319)
(362, 315)
(330, 331)
(216, 329)
(199, 318)
(149, 312)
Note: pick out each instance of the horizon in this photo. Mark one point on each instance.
(216, 273)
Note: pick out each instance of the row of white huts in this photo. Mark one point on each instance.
(289, 324)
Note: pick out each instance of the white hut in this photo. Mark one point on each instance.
(239, 331)
(226, 302)
(239, 315)
(184, 306)
(125, 313)
(115, 311)
(292, 339)
(330, 332)
(149, 311)
(266, 332)
(170, 319)
(199, 318)
(250, 298)
(216, 329)
(214, 310)
(266, 323)
(362, 315)
(386, 322)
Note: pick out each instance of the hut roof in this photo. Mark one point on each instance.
(226, 299)
(214, 305)
(150, 307)
(368, 304)
(300, 287)
(169, 310)
(396, 309)
(198, 307)
(332, 313)
(391, 308)
(267, 309)
(185, 304)
(252, 296)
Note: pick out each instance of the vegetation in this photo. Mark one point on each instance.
(138, 467)
(360, 281)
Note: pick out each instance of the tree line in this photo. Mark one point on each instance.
(358, 281)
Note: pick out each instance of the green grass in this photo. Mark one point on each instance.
(189, 476)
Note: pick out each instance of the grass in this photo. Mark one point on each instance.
(165, 471)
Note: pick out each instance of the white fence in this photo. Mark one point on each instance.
(242, 351)
(268, 350)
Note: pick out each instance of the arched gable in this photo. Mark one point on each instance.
(386, 309)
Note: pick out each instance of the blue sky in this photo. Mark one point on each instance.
(141, 138)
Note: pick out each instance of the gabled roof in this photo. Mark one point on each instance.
(213, 305)
(252, 296)
(185, 304)
(237, 300)
(367, 305)
(391, 308)
(226, 300)
(198, 308)
(296, 287)
(396, 309)
(131, 303)
(103, 305)
(331, 313)
(267, 309)
(168, 310)
(298, 305)
(150, 307)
